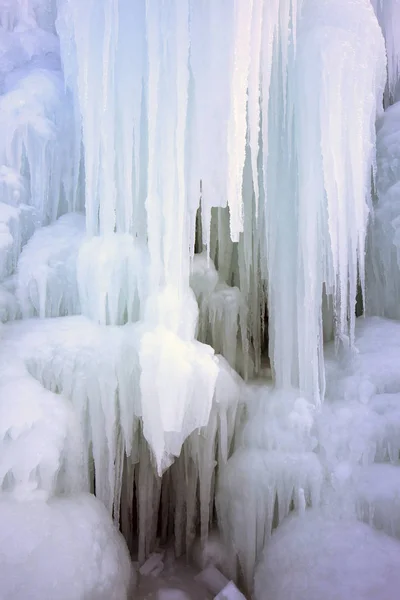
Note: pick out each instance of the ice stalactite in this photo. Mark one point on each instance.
(335, 174)
(317, 166)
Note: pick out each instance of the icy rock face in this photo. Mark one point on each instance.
(378, 497)
(277, 182)
(383, 271)
(332, 194)
(8, 305)
(151, 156)
(41, 438)
(36, 175)
(223, 313)
(188, 487)
(359, 426)
(112, 279)
(100, 371)
(313, 557)
(46, 278)
(273, 466)
(388, 13)
(37, 138)
(66, 548)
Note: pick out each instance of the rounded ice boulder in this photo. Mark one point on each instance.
(64, 549)
(313, 557)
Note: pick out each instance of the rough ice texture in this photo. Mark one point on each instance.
(288, 455)
(112, 279)
(273, 465)
(100, 371)
(388, 14)
(334, 176)
(256, 492)
(152, 157)
(383, 270)
(278, 182)
(66, 548)
(46, 278)
(222, 314)
(313, 557)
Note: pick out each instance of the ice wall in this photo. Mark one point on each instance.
(388, 14)
(251, 143)
(250, 146)
(383, 264)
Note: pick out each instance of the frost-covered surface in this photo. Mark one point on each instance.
(66, 548)
(313, 556)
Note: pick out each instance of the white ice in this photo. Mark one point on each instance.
(66, 548)
(212, 202)
(313, 556)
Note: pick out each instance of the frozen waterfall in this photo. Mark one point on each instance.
(194, 197)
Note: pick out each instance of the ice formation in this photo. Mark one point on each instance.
(315, 557)
(50, 551)
(388, 13)
(185, 190)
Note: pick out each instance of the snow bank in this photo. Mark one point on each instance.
(66, 548)
(313, 557)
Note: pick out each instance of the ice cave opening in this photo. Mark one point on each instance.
(199, 299)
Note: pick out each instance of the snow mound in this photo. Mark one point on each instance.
(312, 557)
(66, 548)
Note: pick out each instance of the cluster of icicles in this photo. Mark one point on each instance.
(217, 170)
